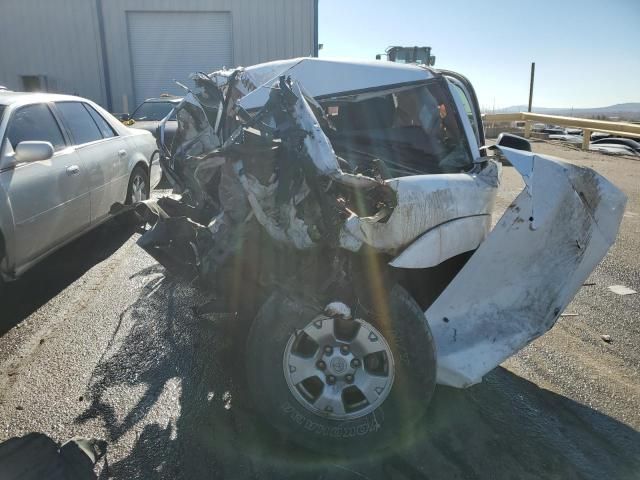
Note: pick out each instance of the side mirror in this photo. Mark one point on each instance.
(125, 117)
(513, 141)
(378, 56)
(33, 151)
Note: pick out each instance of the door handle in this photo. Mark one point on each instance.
(122, 153)
(73, 170)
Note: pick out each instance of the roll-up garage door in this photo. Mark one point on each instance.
(170, 45)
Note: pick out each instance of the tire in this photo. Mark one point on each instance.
(135, 194)
(403, 404)
(137, 191)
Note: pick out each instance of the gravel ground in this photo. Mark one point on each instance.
(98, 342)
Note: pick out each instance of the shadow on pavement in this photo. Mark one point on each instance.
(505, 427)
(51, 276)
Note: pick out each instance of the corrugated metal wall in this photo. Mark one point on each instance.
(56, 38)
(262, 30)
(60, 39)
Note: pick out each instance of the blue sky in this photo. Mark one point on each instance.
(587, 52)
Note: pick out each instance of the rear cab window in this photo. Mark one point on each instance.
(35, 123)
(467, 106)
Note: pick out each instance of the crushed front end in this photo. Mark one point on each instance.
(307, 176)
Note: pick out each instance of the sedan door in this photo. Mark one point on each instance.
(49, 198)
(101, 151)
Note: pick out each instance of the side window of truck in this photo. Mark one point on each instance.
(467, 108)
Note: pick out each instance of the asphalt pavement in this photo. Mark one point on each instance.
(99, 341)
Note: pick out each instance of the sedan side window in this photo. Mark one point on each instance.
(35, 122)
(106, 129)
(82, 127)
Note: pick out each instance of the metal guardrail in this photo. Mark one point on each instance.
(587, 125)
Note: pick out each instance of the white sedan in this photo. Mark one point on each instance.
(63, 162)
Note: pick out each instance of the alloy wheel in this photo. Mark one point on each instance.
(338, 368)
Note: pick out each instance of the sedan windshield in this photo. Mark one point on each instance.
(152, 111)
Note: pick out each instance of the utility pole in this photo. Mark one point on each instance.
(533, 72)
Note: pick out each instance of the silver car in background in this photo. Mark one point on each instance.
(64, 161)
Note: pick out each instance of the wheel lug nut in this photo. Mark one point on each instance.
(328, 349)
(344, 349)
(349, 378)
(355, 363)
(331, 379)
(321, 365)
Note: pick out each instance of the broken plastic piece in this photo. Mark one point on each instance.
(621, 290)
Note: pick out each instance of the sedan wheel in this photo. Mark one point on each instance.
(137, 191)
(138, 187)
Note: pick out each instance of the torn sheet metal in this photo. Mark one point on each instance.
(277, 168)
(319, 149)
(525, 273)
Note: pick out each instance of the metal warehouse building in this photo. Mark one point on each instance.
(119, 52)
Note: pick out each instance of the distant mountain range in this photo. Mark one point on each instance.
(630, 111)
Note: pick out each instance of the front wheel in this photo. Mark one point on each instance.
(336, 383)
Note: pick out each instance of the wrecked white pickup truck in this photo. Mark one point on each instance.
(346, 207)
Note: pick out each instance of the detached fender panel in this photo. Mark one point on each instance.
(515, 286)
